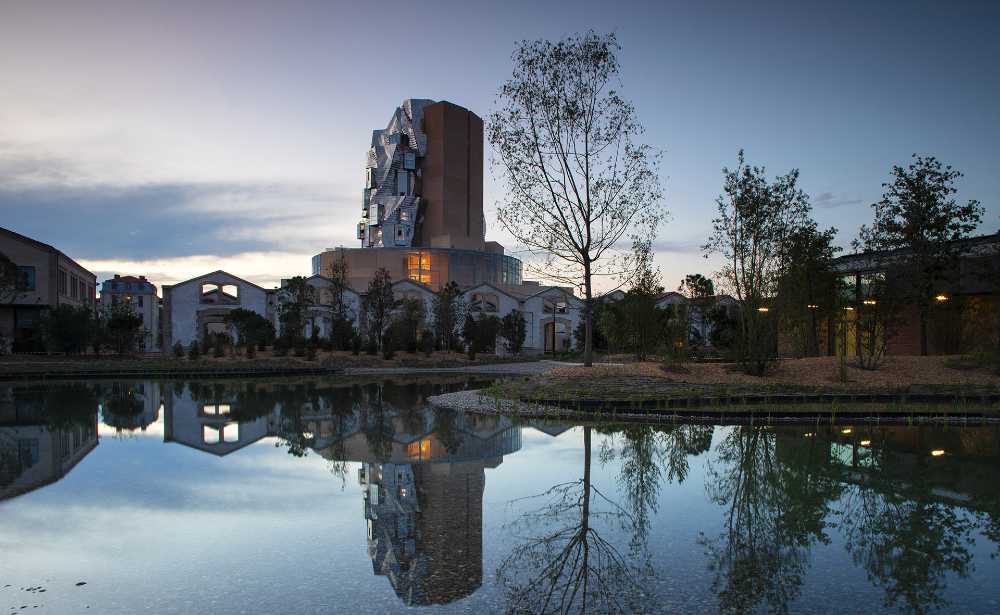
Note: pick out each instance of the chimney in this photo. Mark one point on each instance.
(117, 276)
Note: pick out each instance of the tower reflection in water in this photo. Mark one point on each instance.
(422, 471)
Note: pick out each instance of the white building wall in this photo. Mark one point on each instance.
(185, 304)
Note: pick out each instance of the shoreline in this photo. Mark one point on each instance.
(944, 408)
(169, 369)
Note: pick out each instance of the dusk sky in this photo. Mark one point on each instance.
(172, 139)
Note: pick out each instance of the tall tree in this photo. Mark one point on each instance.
(918, 214)
(448, 311)
(755, 217)
(807, 290)
(697, 286)
(578, 181)
(378, 305)
(299, 296)
(337, 273)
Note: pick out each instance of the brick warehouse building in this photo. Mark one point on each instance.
(965, 306)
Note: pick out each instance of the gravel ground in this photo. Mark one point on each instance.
(815, 371)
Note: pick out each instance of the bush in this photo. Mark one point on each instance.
(388, 348)
(310, 352)
(219, 346)
(251, 351)
(427, 342)
(280, 347)
(178, 350)
(194, 351)
(356, 344)
(371, 347)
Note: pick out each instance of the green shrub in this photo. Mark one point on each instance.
(178, 350)
(388, 348)
(194, 351)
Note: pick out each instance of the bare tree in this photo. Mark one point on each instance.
(578, 183)
(562, 564)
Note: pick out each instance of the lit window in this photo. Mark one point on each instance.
(210, 434)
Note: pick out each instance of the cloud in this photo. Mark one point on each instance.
(262, 268)
(686, 246)
(828, 200)
(178, 219)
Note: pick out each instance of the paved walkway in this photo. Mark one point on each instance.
(513, 369)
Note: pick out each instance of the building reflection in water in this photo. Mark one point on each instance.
(129, 406)
(422, 471)
(44, 434)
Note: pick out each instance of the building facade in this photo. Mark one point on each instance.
(196, 308)
(139, 294)
(46, 278)
(422, 204)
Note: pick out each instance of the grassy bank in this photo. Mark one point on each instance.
(264, 364)
(807, 386)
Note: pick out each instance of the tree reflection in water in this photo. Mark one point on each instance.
(644, 453)
(907, 540)
(564, 564)
(775, 509)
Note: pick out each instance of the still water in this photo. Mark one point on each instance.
(321, 496)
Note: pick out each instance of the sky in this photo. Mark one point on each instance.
(171, 139)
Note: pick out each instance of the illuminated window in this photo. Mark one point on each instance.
(211, 434)
(418, 267)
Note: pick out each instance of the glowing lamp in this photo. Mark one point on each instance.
(937, 452)
(866, 443)
(941, 298)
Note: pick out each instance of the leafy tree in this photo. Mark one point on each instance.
(635, 323)
(408, 320)
(808, 291)
(292, 313)
(178, 350)
(121, 328)
(448, 310)
(9, 287)
(487, 330)
(755, 219)
(697, 286)
(578, 182)
(252, 329)
(513, 330)
(69, 329)
(378, 304)
(194, 350)
(918, 215)
(470, 334)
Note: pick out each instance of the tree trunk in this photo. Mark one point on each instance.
(923, 331)
(588, 307)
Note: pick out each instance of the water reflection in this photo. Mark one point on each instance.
(908, 514)
(43, 435)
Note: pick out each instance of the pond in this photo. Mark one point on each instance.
(327, 496)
